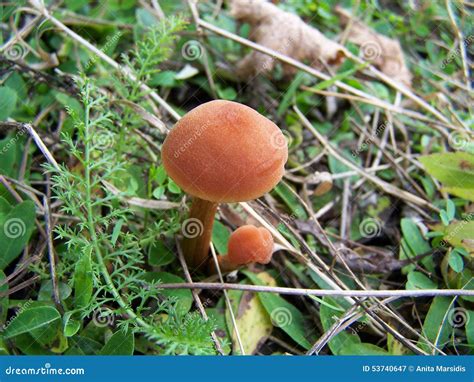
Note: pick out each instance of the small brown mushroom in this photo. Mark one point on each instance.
(247, 244)
(221, 152)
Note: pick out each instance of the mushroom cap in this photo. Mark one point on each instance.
(223, 151)
(249, 244)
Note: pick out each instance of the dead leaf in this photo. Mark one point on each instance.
(383, 52)
(285, 33)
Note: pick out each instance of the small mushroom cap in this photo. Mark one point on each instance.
(223, 151)
(249, 244)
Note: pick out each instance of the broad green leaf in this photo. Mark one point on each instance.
(15, 231)
(183, 297)
(328, 317)
(455, 261)
(31, 319)
(46, 291)
(465, 193)
(290, 199)
(362, 349)
(73, 105)
(436, 326)
(417, 280)
(470, 329)
(413, 237)
(454, 170)
(8, 98)
(3, 297)
(159, 254)
(5, 207)
(119, 344)
(283, 314)
(84, 346)
(220, 237)
(83, 282)
(28, 346)
(458, 234)
(70, 325)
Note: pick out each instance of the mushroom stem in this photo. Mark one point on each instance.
(196, 241)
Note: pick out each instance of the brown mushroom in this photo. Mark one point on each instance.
(247, 244)
(221, 152)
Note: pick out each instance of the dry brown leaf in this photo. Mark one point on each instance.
(383, 52)
(285, 33)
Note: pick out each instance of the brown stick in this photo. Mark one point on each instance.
(197, 231)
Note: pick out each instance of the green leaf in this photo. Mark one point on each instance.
(283, 314)
(362, 349)
(121, 343)
(413, 237)
(31, 319)
(173, 187)
(4, 299)
(454, 170)
(15, 231)
(290, 199)
(287, 98)
(417, 280)
(455, 261)
(338, 77)
(328, 317)
(444, 217)
(83, 282)
(470, 327)
(46, 291)
(184, 297)
(70, 325)
(450, 209)
(116, 231)
(458, 233)
(8, 100)
(436, 326)
(159, 254)
(220, 237)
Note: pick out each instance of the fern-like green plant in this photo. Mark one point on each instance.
(101, 242)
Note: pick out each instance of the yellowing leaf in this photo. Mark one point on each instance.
(454, 170)
(253, 322)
